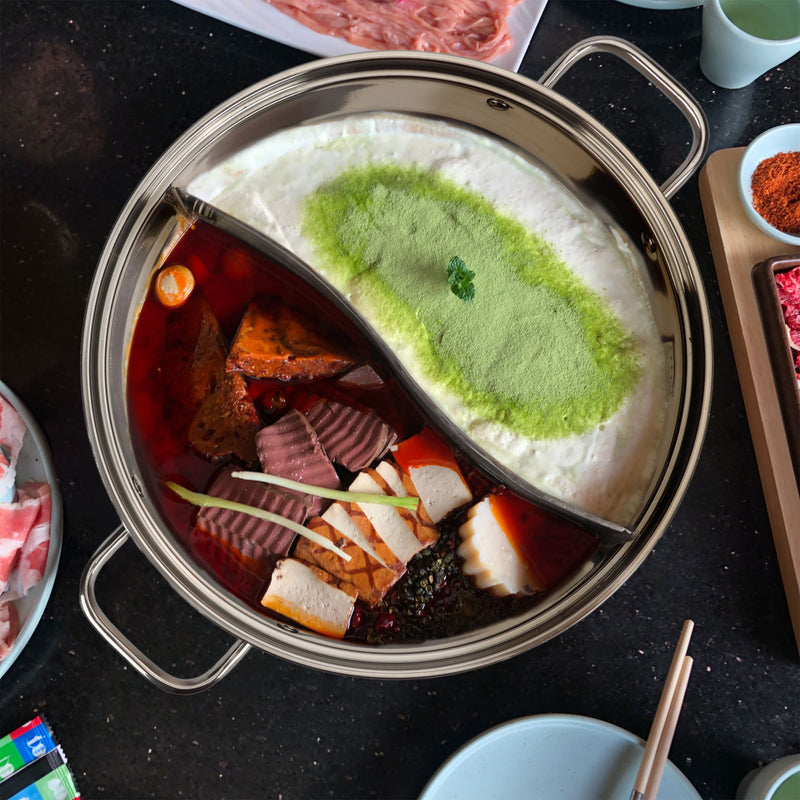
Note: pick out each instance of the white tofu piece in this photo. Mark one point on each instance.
(310, 597)
(440, 489)
(386, 521)
(490, 558)
(338, 518)
(389, 473)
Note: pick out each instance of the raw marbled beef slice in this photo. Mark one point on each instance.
(16, 521)
(32, 558)
(9, 627)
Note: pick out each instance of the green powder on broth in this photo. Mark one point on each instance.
(537, 350)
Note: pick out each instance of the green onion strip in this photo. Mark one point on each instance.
(411, 503)
(207, 500)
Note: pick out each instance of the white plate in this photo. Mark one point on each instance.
(662, 5)
(549, 757)
(259, 17)
(35, 463)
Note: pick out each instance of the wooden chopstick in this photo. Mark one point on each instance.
(656, 739)
(669, 730)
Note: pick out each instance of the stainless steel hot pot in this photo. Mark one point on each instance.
(530, 117)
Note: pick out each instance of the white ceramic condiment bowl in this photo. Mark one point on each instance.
(783, 139)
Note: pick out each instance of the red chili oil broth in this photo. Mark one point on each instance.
(229, 275)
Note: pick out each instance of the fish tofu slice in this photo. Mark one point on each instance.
(490, 558)
(311, 597)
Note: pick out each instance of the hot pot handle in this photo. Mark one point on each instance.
(141, 663)
(660, 78)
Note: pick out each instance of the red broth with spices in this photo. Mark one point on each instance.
(203, 407)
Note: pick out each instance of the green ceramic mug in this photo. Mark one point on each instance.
(779, 780)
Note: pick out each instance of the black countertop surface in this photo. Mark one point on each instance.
(92, 94)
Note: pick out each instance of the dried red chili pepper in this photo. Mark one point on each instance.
(776, 191)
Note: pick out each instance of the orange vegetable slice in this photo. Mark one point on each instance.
(174, 285)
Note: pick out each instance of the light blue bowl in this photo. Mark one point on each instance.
(550, 757)
(783, 139)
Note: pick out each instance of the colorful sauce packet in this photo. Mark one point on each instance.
(47, 778)
(33, 765)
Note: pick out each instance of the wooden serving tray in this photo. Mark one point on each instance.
(765, 277)
(737, 246)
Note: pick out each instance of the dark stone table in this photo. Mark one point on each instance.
(92, 94)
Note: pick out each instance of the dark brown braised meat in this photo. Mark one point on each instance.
(274, 343)
(290, 448)
(253, 537)
(226, 421)
(351, 437)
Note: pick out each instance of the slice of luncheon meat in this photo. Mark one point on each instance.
(435, 473)
(237, 527)
(311, 597)
(290, 448)
(373, 569)
(351, 437)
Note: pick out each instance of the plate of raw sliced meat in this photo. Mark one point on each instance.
(496, 31)
(30, 526)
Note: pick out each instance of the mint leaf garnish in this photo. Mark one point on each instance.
(460, 279)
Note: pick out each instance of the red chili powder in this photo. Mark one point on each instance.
(776, 191)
